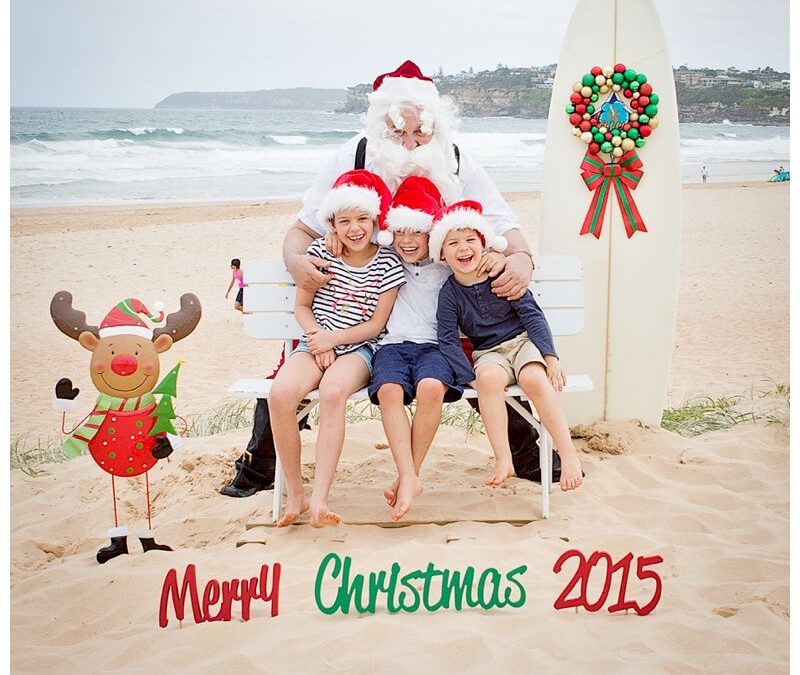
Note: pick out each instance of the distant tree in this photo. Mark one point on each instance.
(471, 72)
(440, 72)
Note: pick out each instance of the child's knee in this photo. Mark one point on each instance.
(491, 378)
(430, 391)
(533, 378)
(282, 398)
(391, 393)
(332, 394)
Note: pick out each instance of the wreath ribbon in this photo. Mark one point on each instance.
(623, 177)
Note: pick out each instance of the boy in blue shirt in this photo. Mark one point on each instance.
(511, 340)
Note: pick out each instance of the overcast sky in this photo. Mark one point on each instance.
(133, 53)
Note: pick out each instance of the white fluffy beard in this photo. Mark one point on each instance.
(396, 162)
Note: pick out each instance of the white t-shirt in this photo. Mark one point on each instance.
(413, 318)
(475, 184)
(351, 295)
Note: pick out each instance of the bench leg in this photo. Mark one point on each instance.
(545, 454)
(545, 448)
(278, 489)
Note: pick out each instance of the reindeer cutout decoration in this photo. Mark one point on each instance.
(123, 432)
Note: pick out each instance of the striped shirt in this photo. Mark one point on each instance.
(351, 296)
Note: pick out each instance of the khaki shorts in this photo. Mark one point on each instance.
(513, 355)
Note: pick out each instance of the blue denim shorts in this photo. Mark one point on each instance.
(364, 351)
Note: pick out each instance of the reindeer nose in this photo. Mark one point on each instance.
(124, 364)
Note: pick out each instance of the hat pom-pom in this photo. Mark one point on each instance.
(158, 311)
(385, 238)
(499, 243)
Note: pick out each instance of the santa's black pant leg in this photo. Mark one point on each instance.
(255, 469)
(524, 441)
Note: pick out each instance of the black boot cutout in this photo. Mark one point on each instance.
(149, 544)
(118, 546)
(162, 449)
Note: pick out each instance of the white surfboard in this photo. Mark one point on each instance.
(631, 284)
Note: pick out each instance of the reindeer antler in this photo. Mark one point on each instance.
(179, 324)
(69, 321)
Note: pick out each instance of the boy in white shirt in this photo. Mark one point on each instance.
(408, 363)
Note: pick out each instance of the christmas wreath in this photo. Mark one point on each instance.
(616, 126)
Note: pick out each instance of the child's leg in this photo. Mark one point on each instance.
(533, 381)
(398, 433)
(347, 374)
(294, 380)
(427, 416)
(492, 380)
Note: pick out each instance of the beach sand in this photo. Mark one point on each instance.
(714, 506)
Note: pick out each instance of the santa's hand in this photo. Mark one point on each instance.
(308, 271)
(516, 277)
(65, 395)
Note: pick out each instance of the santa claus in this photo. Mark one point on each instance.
(408, 133)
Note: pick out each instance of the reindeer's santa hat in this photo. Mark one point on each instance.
(125, 318)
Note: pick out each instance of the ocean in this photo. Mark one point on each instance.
(102, 156)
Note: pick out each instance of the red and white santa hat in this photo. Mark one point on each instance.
(407, 85)
(126, 318)
(416, 203)
(356, 189)
(464, 215)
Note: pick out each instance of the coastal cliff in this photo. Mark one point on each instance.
(704, 95)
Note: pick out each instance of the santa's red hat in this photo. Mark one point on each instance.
(415, 205)
(406, 84)
(126, 319)
(464, 215)
(356, 189)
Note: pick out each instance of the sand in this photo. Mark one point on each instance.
(714, 506)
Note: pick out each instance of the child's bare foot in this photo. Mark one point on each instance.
(295, 506)
(391, 492)
(407, 491)
(322, 516)
(571, 475)
(502, 469)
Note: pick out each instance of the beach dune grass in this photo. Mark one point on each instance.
(702, 414)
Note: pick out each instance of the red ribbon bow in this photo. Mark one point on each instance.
(599, 177)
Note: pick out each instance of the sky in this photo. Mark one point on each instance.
(122, 53)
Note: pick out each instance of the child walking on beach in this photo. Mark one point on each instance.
(236, 277)
(511, 340)
(342, 322)
(408, 363)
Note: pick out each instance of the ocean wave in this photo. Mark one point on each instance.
(290, 140)
(147, 135)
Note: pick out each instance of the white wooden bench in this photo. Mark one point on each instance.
(268, 315)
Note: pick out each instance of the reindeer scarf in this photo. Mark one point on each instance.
(78, 442)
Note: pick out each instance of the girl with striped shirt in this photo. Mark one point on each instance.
(343, 321)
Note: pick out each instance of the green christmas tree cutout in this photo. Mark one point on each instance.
(164, 412)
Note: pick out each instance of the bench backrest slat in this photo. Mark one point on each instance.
(270, 294)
